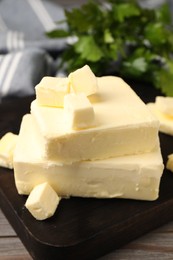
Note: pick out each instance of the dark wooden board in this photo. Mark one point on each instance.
(81, 228)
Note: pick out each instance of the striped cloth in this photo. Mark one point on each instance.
(24, 47)
(23, 23)
(20, 71)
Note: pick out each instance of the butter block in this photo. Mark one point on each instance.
(164, 105)
(51, 91)
(83, 80)
(78, 111)
(166, 121)
(7, 146)
(132, 177)
(124, 125)
(42, 201)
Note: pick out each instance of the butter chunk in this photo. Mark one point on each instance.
(123, 125)
(7, 146)
(165, 105)
(165, 120)
(51, 91)
(78, 111)
(132, 177)
(83, 80)
(169, 164)
(42, 201)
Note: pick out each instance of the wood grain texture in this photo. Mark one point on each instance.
(155, 245)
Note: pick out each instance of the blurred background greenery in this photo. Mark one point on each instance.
(130, 39)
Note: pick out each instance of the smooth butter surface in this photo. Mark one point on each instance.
(133, 177)
(124, 125)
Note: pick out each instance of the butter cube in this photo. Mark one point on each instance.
(42, 201)
(169, 164)
(51, 91)
(165, 120)
(83, 80)
(7, 146)
(165, 105)
(78, 111)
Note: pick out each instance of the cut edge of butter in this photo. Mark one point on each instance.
(42, 201)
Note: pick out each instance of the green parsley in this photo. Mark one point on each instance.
(121, 38)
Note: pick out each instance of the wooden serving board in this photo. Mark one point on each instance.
(81, 228)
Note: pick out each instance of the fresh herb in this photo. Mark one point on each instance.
(121, 38)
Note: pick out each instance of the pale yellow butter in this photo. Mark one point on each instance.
(42, 201)
(7, 146)
(78, 111)
(123, 125)
(165, 120)
(132, 177)
(83, 80)
(51, 91)
(169, 164)
(164, 105)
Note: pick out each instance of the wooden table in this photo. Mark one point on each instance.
(155, 245)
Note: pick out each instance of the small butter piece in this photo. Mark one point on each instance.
(165, 120)
(169, 164)
(78, 111)
(42, 201)
(83, 80)
(51, 91)
(7, 146)
(165, 105)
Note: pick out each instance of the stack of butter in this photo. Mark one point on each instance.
(89, 136)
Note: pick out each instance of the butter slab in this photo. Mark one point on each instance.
(124, 126)
(132, 177)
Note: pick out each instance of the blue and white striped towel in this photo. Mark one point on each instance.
(21, 71)
(23, 23)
